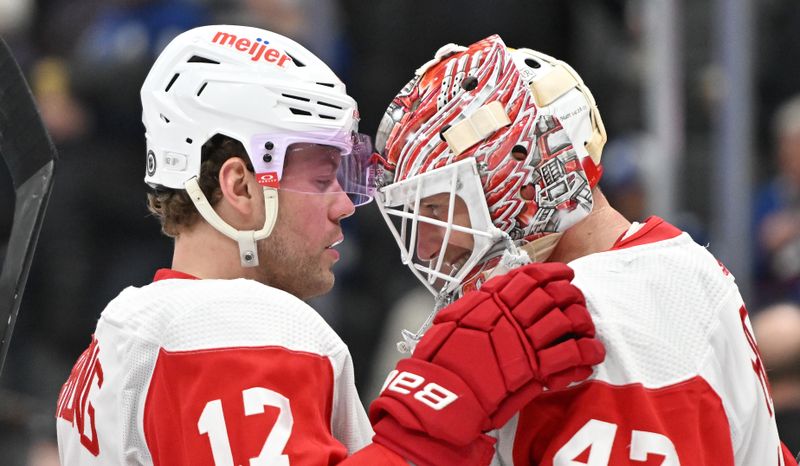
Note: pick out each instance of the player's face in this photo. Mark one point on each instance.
(298, 255)
(430, 237)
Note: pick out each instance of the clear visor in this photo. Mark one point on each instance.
(441, 223)
(317, 163)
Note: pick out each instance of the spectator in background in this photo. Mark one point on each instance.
(777, 330)
(777, 212)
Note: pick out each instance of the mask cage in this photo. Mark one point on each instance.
(400, 204)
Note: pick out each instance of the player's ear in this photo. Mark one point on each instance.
(237, 185)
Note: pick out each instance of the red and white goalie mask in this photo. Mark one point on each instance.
(488, 151)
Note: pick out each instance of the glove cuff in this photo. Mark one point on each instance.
(423, 450)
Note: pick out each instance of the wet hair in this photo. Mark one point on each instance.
(174, 208)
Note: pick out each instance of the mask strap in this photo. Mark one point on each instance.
(539, 250)
(476, 127)
(558, 82)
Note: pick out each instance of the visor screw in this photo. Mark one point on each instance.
(248, 256)
(267, 158)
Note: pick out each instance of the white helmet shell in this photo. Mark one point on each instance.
(253, 85)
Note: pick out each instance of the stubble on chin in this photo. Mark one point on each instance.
(290, 268)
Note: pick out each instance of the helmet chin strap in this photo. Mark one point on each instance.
(246, 239)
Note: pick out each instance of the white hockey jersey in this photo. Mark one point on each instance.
(682, 382)
(210, 372)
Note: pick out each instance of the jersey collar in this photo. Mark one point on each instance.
(165, 274)
(654, 229)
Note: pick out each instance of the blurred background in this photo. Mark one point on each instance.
(700, 101)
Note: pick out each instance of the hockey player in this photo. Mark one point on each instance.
(492, 159)
(254, 158)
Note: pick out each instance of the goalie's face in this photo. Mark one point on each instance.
(441, 224)
(431, 242)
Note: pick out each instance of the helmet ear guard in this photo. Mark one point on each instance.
(246, 239)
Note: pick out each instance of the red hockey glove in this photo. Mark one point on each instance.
(429, 415)
(486, 356)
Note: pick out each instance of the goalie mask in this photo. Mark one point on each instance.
(260, 88)
(494, 148)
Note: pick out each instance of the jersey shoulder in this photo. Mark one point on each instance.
(656, 306)
(680, 373)
(186, 315)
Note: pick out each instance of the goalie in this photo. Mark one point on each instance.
(492, 158)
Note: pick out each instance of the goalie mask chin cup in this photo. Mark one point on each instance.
(259, 88)
(522, 137)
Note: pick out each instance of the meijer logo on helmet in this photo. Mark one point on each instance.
(257, 49)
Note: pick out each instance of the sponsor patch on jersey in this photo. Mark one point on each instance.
(258, 49)
(269, 179)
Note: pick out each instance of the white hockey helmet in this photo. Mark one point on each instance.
(257, 87)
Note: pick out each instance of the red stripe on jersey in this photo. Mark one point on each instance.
(655, 229)
(788, 457)
(231, 405)
(599, 423)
